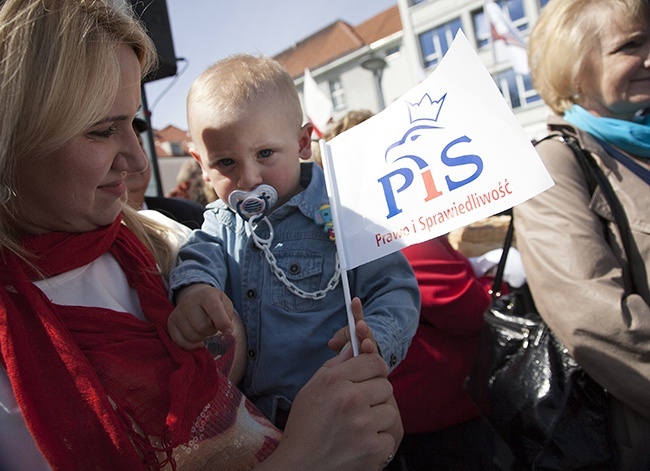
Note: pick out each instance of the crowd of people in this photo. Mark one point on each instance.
(212, 335)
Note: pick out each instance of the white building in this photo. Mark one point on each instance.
(411, 38)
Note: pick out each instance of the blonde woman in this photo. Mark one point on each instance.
(89, 378)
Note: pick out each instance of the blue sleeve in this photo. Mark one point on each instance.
(390, 296)
(202, 259)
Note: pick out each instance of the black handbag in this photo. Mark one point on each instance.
(524, 382)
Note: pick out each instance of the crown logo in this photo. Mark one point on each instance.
(426, 109)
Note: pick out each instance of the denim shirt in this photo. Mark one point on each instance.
(286, 334)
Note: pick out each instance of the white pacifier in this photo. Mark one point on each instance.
(253, 204)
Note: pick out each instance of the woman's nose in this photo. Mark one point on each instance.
(132, 157)
(136, 157)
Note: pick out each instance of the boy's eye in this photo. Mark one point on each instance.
(224, 163)
(266, 153)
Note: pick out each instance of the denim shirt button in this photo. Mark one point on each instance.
(255, 248)
(393, 360)
(252, 353)
(251, 294)
(294, 268)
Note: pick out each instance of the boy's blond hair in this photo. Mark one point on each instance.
(239, 80)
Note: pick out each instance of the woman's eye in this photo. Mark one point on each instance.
(631, 45)
(104, 133)
(266, 153)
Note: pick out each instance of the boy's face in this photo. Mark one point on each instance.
(257, 145)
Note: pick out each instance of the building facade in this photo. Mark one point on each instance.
(406, 42)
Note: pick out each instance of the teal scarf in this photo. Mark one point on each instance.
(631, 136)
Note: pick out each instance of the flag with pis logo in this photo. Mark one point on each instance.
(506, 40)
(447, 153)
(318, 107)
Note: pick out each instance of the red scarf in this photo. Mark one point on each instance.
(64, 362)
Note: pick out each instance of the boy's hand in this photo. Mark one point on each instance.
(201, 311)
(367, 343)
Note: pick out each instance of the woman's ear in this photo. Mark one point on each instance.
(304, 141)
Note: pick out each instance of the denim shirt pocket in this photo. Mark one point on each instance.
(304, 270)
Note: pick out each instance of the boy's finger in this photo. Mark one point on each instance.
(357, 309)
(221, 312)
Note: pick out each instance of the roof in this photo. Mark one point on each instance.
(380, 26)
(164, 138)
(337, 40)
(172, 134)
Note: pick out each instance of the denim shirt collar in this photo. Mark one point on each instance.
(308, 201)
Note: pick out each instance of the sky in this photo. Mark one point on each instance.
(204, 31)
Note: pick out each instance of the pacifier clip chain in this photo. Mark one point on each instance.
(253, 208)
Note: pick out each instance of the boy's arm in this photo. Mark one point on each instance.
(201, 311)
(390, 296)
(202, 259)
(196, 283)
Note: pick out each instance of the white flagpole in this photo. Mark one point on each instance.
(332, 193)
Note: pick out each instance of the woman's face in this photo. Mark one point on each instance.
(617, 82)
(79, 187)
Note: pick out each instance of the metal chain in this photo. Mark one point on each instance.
(263, 245)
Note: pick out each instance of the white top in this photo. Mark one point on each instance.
(101, 283)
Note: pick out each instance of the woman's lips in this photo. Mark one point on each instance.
(117, 188)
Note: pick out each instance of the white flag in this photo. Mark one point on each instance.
(447, 153)
(318, 107)
(506, 40)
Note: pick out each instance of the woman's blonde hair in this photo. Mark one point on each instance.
(563, 40)
(59, 73)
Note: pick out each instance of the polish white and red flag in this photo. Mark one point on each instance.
(318, 106)
(507, 42)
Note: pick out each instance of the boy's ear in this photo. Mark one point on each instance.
(197, 157)
(305, 141)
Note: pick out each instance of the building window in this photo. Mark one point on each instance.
(393, 51)
(517, 89)
(338, 94)
(513, 8)
(435, 42)
(177, 148)
(415, 2)
(542, 3)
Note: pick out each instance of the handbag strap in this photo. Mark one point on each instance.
(620, 218)
(631, 164)
(595, 178)
(495, 292)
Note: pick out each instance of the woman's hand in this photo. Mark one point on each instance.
(345, 417)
